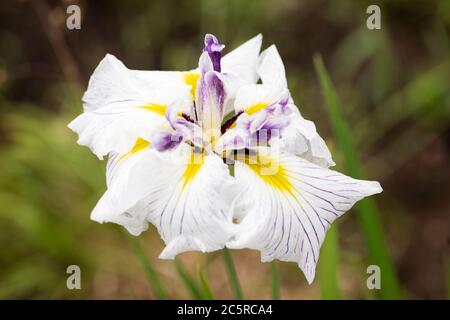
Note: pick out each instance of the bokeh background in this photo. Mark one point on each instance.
(393, 87)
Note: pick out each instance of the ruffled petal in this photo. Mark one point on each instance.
(210, 100)
(183, 194)
(271, 68)
(298, 136)
(120, 107)
(286, 204)
(301, 138)
(252, 98)
(113, 206)
(243, 60)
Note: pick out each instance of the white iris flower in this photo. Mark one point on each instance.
(169, 153)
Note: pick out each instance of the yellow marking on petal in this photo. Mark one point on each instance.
(140, 145)
(191, 79)
(156, 108)
(193, 167)
(254, 108)
(271, 172)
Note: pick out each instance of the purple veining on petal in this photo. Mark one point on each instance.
(259, 119)
(172, 114)
(216, 88)
(278, 123)
(259, 128)
(204, 63)
(212, 97)
(184, 130)
(164, 141)
(284, 102)
(214, 48)
(281, 107)
(233, 140)
(288, 108)
(179, 124)
(271, 128)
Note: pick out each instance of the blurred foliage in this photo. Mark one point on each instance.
(45, 189)
(393, 86)
(368, 214)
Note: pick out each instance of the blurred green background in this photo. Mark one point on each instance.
(393, 89)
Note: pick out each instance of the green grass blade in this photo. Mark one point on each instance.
(275, 281)
(207, 292)
(150, 271)
(367, 211)
(328, 266)
(328, 263)
(190, 283)
(234, 281)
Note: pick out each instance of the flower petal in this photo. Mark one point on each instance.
(105, 130)
(287, 204)
(213, 48)
(155, 78)
(182, 198)
(120, 107)
(300, 137)
(113, 82)
(253, 98)
(271, 68)
(163, 141)
(210, 102)
(243, 60)
(110, 207)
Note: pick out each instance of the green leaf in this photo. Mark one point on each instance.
(275, 281)
(367, 211)
(207, 292)
(190, 283)
(232, 276)
(328, 266)
(149, 269)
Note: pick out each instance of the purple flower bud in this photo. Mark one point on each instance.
(214, 48)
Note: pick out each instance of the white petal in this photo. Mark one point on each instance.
(155, 78)
(287, 205)
(120, 107)
(116, 130)
(243, 60)
(301, 138)
(113, 207)
(231, 83)
(186, 202)
(252, 98)
(106, 211)
(113, 82)
(271, 68)
(210, 103)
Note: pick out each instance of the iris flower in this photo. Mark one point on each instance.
(218, 156)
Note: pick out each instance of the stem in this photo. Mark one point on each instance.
(328, 266)
(152, 275)
(275, 281)
(234, 281)
(207, 292)
(188, 281)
